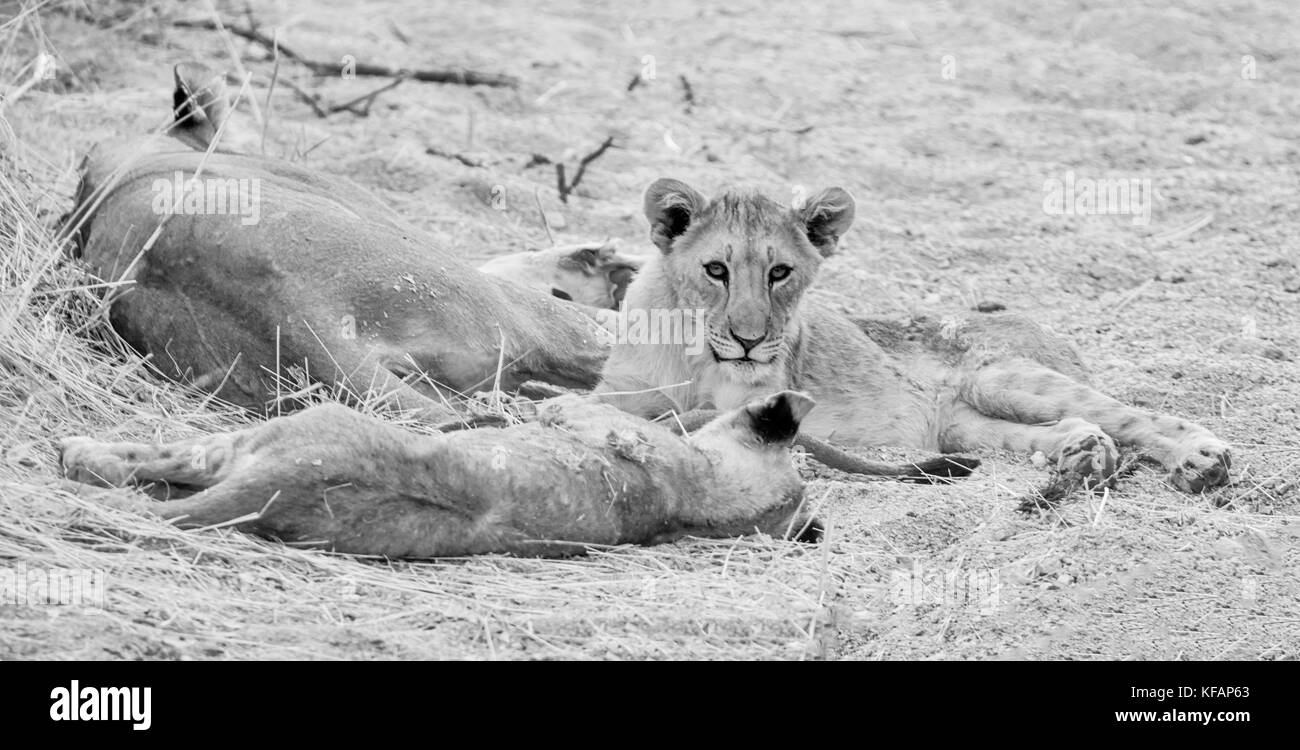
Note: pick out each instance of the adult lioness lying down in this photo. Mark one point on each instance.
(316, 275)
(746, 263)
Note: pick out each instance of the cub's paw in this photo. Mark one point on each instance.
(1089, 455)
(87, 461)
(1200, 462)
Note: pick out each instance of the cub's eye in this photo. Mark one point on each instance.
(779, 272)
(716, 270)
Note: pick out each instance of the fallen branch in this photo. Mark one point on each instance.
(312, 100)
(567, 187)
(359, 106)
(469, 161)
(365, 101)
(461, 76)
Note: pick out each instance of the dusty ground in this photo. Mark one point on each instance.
(944, 123)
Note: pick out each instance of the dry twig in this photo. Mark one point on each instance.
(462, 76)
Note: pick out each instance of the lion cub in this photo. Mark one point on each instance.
(581, 473)
(737, 272)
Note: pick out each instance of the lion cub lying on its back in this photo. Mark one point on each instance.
(740, 267)
(581, 473)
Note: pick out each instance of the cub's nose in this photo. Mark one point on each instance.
(749, 344)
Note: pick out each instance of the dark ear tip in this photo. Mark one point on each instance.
(777, 417)
(797, 402)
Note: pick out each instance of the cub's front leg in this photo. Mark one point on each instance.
(1026, 393)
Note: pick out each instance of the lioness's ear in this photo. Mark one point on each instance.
(199, 103)
(671, 206)
(776, 418)
(604, 260)
(826, 217)
(586, 257)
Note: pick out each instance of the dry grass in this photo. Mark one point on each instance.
(1143, 573)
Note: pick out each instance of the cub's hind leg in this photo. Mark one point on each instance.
(1078, 447)
(179, 467)
(1025, 392)
(204, 462)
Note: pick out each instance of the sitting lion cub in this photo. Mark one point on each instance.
(581, 473)
(733, 277)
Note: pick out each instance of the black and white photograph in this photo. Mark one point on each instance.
(592, 331)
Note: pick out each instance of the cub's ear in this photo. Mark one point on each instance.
(776, 418)
(826, 217)
(671, 206)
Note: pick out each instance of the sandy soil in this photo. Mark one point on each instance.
(1182, 315)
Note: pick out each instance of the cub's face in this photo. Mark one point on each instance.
(745, 261)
